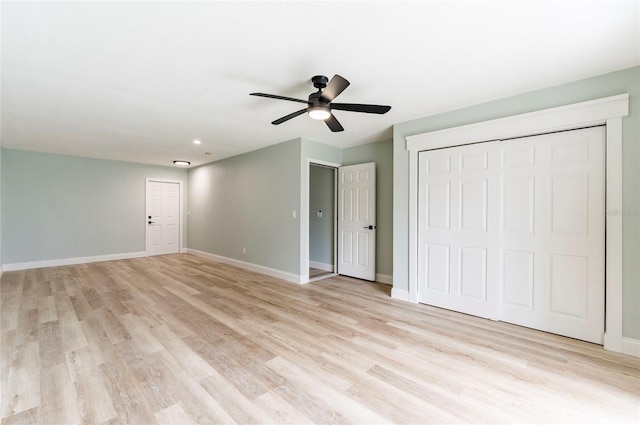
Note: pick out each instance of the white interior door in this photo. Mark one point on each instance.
(163, 217)
(514, 230)
(357, 221)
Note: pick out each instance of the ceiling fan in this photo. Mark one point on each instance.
(320, 103)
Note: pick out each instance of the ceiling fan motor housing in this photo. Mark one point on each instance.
(316, 99)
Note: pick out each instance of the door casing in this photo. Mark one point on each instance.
(304, 217)
(608, 111)
(181, 248)
(334, 215)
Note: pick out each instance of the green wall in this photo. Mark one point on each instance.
(382, 154)
(624, 81)
(246, 201)
(314, 150)
(321, 229)
(57, 207)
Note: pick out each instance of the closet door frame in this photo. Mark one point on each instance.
(608, 111)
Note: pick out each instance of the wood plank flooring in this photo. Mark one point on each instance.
(315, 274)
(179, 339)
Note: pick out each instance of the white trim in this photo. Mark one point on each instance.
(400, 294)
(613, 235)
(304, 215)
(321, 266)
(71, 261)
(181, 247)
(384, 278)
(289, 277)
(554, 119)
(609, 111)
(631, 346)
(413, 226)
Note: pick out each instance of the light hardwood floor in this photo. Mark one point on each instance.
(178, 339)
(318, 273)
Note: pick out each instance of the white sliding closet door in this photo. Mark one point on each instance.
(514, 230)
(458, 206)
(552, 272)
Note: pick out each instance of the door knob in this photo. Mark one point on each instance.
(152, 222)
(369, 227)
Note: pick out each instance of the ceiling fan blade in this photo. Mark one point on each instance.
(333, 124)
(275, 96)
(359, 107)
(288, 117)
(334, 88)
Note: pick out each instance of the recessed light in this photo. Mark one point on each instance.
(181, 163)
(196, 142)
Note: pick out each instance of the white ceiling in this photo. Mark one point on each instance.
(138, 81)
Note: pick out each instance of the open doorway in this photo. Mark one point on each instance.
(322, 225)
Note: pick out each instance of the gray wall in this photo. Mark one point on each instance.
(624, 81)
(321, 229)
(246, 201)
(382, 154)
(56, 206)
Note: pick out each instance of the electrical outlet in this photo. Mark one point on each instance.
(244, 250)
(294, 214)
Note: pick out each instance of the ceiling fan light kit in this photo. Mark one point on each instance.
(319, 104)
(319, 112)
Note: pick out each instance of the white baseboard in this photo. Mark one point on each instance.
(631, 346)
(321, 266)
(384, 278)
(400, 294)
(289, 277)
(70, 261)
